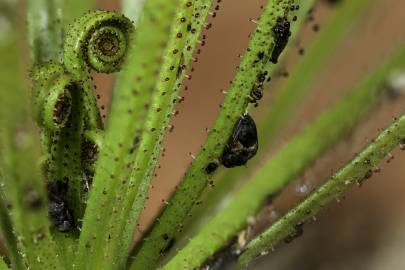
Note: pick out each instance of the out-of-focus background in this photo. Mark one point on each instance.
(363, 231)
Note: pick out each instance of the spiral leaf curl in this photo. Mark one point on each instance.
(56, 98)
(65, 106)
(98, 40)
(52, 98)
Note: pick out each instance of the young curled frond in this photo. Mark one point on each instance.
(99, 40)
(52, 97)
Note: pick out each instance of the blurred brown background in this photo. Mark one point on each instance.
(364, 231)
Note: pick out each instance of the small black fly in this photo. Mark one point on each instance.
(257, 91)
(243, 144)
(61, 216)
(282, 33)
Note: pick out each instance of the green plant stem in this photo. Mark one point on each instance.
(9, 240)
(132, 9)
(45, 30)
(169, 224)
(8, 72)
(196, 22)
(292, 159)
(83, 51)
(355, 172)
(22, 182)
(50, 80)
(131, 100)
(172, 75)
(227, 180)
(185, 31)
(285, 101)
(157, 119)
(64, 141)
(45, 39)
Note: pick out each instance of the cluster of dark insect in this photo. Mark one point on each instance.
(59, 212)
(282, 33)
(242, 145)
(257, 91)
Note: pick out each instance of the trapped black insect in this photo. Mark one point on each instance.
(282, 33)
(242, 145)
(59, 213)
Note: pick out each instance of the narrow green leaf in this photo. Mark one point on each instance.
(45, 27)
(355, 172)
(132, 9)
(236, 102)
(8, 72)
(22, 182)
(292, 159)
(285, 100)
(129, 107)
(84, 51)
(45, 40)
(228, 179)
(9, 240)
(306, 71)
(185, 31)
